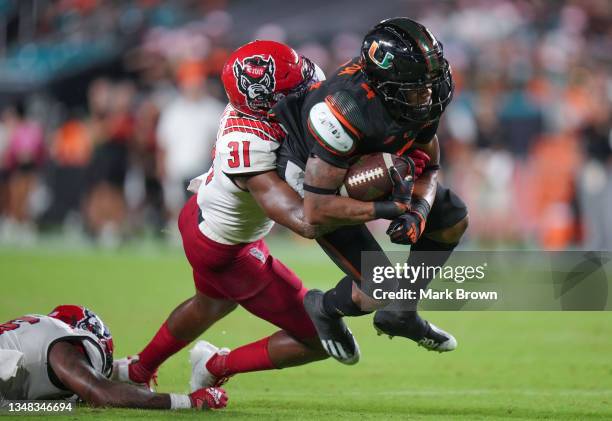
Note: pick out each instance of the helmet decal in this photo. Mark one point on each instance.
(79, 317)
(255, 80)
(386, 61)
(404, 63)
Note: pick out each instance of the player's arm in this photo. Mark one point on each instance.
(323, 206)
(74, 371)
(337, 127)
(408, 228)
(425, 185)
(281, 203)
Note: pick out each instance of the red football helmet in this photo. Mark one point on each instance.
(260, 73)
(82, 318)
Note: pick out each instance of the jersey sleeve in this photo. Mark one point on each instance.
(10, 361)
(337, 126)
(425, 135)
(95, 355)
(242, 153)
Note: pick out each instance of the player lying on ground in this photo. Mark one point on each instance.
(223, 227)
(70, 352)
(388, 100)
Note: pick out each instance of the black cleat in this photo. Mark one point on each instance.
(425, 334)
(335, 336)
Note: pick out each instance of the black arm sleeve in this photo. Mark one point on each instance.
(427, 133)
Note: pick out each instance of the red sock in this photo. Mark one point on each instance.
(162, 346)
(251, 357)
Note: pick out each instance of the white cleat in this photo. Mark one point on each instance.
(424, 333)
(443, 342)
(199, 355)
(121, 372)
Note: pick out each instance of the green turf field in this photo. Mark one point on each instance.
(508, 365)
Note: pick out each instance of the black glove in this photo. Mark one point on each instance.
(407, 228)
(400, 195)
(402, 187)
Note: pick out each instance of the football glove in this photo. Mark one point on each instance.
(209, 398)
(402, 187)
(407, 228)
(420, 159)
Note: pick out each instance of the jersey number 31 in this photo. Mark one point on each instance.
(234, 161)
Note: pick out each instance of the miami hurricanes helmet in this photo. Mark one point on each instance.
(82, 318)
(257, 75)
(405, 64)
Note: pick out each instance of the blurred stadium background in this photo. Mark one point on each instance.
(107, 107)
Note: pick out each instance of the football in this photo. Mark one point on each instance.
(369, 180)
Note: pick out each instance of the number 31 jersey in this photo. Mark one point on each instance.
(245, 146)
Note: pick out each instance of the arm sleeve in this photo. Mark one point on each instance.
(241, 153)
(337, 126)
(427, 133)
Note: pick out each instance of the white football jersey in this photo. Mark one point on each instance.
(244, 146)
(24, 348)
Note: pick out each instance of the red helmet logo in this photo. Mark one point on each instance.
(257, 75)
(80, 317)
(255, 80)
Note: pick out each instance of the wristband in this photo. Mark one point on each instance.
(387, 210)
(420, 206)
(433, 167)
(319, 190)
(179, 401)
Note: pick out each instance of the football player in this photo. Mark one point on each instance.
(390, 99)
(222, 227)
(70, 352)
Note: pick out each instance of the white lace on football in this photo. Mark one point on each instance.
(366, 176)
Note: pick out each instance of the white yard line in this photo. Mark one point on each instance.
(460, 392)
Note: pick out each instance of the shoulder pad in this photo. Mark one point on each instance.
(329, 131)
(347, 111)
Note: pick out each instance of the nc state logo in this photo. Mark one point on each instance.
(255, 80)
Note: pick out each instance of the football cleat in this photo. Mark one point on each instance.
(121, 373)
(424, 333)
(199, 355)
(336, 338)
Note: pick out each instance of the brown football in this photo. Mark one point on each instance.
(368, 179)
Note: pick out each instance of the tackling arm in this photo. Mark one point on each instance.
(281, 203)
(73, 370)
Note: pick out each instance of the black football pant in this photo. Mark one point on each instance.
(344, 245)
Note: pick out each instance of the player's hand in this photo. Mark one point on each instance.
(407, 228)
(420, 159)
(402, 187)
(209, 398)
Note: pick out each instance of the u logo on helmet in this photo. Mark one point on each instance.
(387, 59)
(255, 80)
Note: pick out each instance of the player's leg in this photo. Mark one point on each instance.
(344, 246)
(190, 319)
(186, 322)
(280, 303)
(446, 224)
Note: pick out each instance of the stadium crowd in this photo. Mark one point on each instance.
(527, 141)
